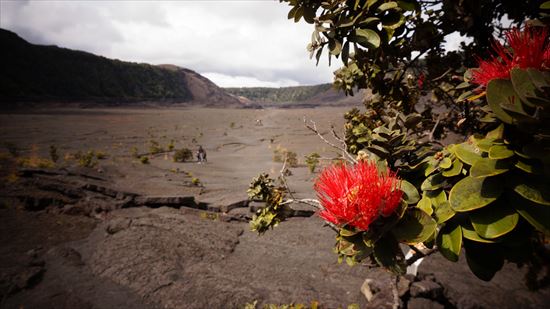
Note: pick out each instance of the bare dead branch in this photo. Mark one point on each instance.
(345, 154)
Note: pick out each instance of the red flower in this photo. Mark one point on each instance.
(357, 195)
(528, 49)
(421, 79)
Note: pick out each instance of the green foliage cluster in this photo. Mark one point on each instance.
(263, 189)
(312, 160)
(488, 195)
(279, 95)
(281, 154)
(155, 148)
(182, 155)
(144, 159)
(54, 156)
(38, 73)
(86, 159)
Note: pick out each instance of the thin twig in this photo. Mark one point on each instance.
(313, 128)
(419, 253)
(442, 75)
(395, 292)
(431, 136)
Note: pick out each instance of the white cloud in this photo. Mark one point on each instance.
(233, 41)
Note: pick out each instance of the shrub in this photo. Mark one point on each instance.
(144, 159)
(281, 154)
(100, 155)
(134, 152)
(171, 145)
(35, 162)
(155, 148)
(183, 155)
(195, 181)
(53, 153)
(312, 160)
(87, 159)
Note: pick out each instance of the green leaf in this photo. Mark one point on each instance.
(525, 88)
(456, 169)
(411, 194)
(540, 79)
(345, 53)
(407, 5)
(487, 167)
(309, 14)
(443, 212)
(538, 216)
(467, 153)
(472, 193)
(496, 134)
(545, 5)
(434, 182)
(500, 152)
(387, 6)
(367, 38)
(469, 233)
(463, 85)
(425, 205)
(445, 163)
(449, 241)
(494, 220)
(335, 47)
(530, 166)
(484, 260)
(498, 92)
(416, 226)
(389, 255)
(534, 189)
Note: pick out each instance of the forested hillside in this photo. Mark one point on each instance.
(37, 73)
(280, 95)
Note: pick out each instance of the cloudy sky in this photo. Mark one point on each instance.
(234, 43)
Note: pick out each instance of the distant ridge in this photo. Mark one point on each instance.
(37, 73)
(296, 96)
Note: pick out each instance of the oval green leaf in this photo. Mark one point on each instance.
(500, 152)
(467, 153)
(411, 195)
(443, 212)
(494, 220)
(434, 182)
(416, 226)
(498, 92)
(538, 216)
(425, 205)
(449, 241)
(487, 167)
(456, 169)
(472, 193)
(535, 190)
(367, 38)
(469, 233)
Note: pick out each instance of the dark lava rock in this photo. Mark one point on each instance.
(159, 201)
(424, 303)
(426, 288)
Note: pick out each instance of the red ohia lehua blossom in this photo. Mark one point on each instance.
(529, 48)
(357, 195)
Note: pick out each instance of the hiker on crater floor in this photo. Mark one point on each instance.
(201, 155)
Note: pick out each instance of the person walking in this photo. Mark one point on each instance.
(201, 155)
